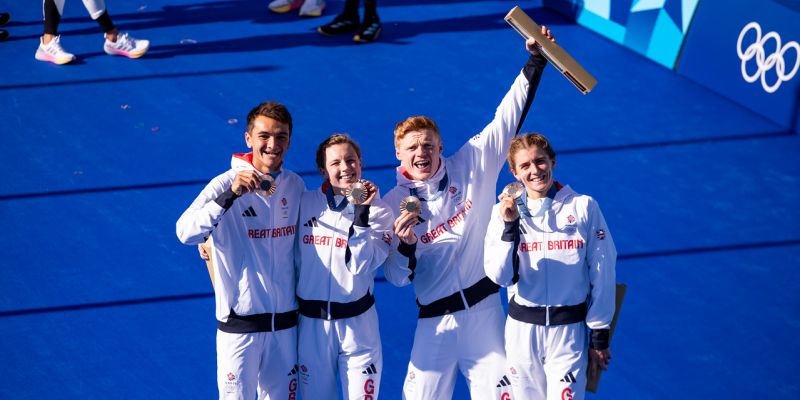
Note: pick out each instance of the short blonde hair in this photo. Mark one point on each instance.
(526, 141)
(416, 123)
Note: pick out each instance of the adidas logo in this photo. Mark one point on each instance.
(504, 382)
(293, 371)
(568, 378)
(249, 212)
(370, 370)
(312, 222)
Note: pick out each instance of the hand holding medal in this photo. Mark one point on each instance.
(248, 181)
(410, 208)
(508, 206)
(361, 192)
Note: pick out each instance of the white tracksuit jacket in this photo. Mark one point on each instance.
(563, 257)
(253, 241)
(566, 257)
(324, 270)
(449, 249)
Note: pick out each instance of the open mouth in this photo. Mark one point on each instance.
(422, 164)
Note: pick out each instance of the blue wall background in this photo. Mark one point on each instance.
(701, 40)
(732, 41)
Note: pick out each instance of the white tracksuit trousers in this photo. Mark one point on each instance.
(258, 362)
(547, 362)
(349, 346)
(470, 341)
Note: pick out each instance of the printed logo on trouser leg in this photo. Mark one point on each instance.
(369, 384)
(293, 383)
(504, 388)
(569, 379)
(411, 383)
(233, 384)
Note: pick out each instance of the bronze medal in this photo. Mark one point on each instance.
(514, 189)
(357, 193)
(411, 204)
(267, 185)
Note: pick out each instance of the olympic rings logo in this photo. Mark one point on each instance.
(775, 60)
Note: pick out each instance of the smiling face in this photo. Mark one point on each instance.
(269, 140)
(342, 165)
(420, 153)
(534, 168)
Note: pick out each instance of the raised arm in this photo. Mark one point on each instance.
(492, 143)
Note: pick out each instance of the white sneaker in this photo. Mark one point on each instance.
(284, 6)
(53, 52)
(312, 8)
(127, 46)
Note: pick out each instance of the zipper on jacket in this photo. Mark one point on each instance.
(331, 254)
(445, 202)
(271, 289)
(546, 266)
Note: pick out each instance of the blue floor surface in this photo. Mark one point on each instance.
(99, 158)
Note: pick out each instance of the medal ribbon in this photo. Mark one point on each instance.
(332, 200)
(548, 201)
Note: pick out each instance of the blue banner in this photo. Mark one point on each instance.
(653, 28)
(748, 51)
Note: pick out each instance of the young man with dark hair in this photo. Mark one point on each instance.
(250, 214)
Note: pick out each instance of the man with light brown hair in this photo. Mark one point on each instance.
(446, 204)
